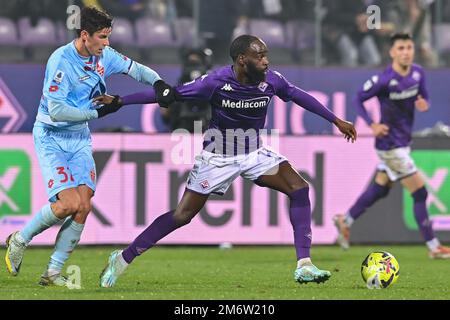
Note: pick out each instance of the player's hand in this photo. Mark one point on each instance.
(379, 130)
(421, 104)
(103, 99)
(110, 104)
(165, 94)
(347, 129)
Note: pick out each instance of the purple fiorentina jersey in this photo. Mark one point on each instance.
(397, 95)
(236, 106)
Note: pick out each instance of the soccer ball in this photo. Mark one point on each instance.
(380, 270)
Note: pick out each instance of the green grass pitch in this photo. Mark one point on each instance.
(193, 273)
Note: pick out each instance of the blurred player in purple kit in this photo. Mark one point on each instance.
(239, 95)
(400, 89)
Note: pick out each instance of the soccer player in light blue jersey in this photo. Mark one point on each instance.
(401, 90)
(75, 74)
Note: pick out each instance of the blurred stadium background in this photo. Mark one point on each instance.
(317, 44)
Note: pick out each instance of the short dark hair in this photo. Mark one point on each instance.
(93, 20)
(241, 44)
(400, 36)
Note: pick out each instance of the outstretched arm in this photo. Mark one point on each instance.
(200, 89)
(118, 63)
(143, 97)
(287, 91)
(164, 93)
(143, 73)
(308, 102)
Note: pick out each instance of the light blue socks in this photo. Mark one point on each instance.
(66, 241)
(43, 220)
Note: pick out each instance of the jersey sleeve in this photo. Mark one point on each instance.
(143, 74)
(60, 112)
(199, 89)
(283, 88)
(58, 80)
(115, 62)
(371, 88)
(422, 86)
(288, 92)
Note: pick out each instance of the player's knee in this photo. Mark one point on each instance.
(382, 191)
(300, 197)
(85, 208)
(420, 195)
(293, 187)
(83, 212)
(183, 217)
(385, 193)
(69, 206)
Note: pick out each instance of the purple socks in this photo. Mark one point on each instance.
(421, 214)
(373, 193)
(300, 216)
(376, 192)
(161, 227)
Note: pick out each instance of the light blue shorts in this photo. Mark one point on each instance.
(65, 158)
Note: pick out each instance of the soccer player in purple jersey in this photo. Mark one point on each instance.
(400, 88)
(239, 95)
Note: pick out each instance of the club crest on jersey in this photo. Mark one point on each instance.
(204, 184)
(227, 87)
(58, 77)
(416, 75)
(92, 174)
(100, 68)
(263, 86)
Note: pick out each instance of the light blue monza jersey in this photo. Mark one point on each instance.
(74, 80)
(61, 135)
